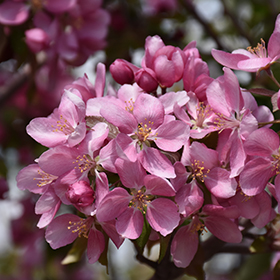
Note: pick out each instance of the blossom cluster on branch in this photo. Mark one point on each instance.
(139, 162)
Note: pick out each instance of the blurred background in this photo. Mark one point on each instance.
(31, 84)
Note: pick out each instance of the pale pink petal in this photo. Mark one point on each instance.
(119, 117)
(230, 60)
(156, 163)
(130, 223)
(59, 233)
(262, 142)
(171, 136)
(169, 99)
(102, 187)
(253, 64)
(219, 183)
(148, 110)
(256, 170)
(163, 215)
(152, 45)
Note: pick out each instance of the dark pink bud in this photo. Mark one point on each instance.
(80, 194)
(146, 79)
(36, 39)
(123, 71)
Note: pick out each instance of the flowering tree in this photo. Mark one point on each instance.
(165, 154)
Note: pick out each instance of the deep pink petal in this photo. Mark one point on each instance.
(59, 6)
(163, 215)
(95, 246)
(113, 205)
(183, 255)
(266, 211)
(102, 187)
(13, 13)
(247, 205)
(131, 173)
(189, 198)
(262, 142)
(223, 228)
(110, 229)
(158, 186)
(165, 71)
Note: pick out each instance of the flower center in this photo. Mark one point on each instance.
(82, 227)
(259, 50)
(276, 163)
(85, 163)
(198, 170)
(202, 113)
(144, 131)
(139, 200)
(129, 105)
(224, 122)
(44, 178)
(63, 126)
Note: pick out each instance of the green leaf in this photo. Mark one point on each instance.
(141, 241)
(164, 241)
(76, 252)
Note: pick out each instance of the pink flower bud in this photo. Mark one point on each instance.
(80, 194)
(146, 79)
(36, 39)
(122, 71)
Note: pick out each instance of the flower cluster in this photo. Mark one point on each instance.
(61, 28)
(141, 162)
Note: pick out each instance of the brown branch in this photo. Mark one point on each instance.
(17, 81)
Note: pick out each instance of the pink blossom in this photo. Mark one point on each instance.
(263, 145)
(161, 213)
(13, 12)
(164, 64)
(36, 39)
(145, 121)
(205, 167)
(253, 59)
(200, 117)
(235, 121)
(66, 125)
(216, 219)
(123, 71)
